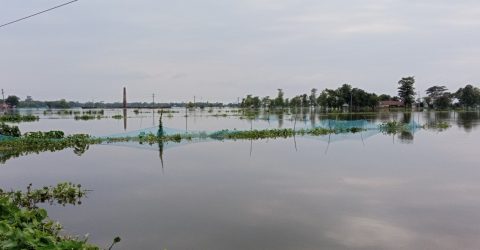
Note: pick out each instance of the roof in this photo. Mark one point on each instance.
(390, 103)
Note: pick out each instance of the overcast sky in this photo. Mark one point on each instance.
(224, 49)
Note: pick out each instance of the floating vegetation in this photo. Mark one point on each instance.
(18, 118)
(167, 111)
(87, 117)
(23, 225)
(7, 130)
(277, 133)
(36, 142)
(63, 194)
(94, 112)
(118, 117)
(45, 135)
(61, 112)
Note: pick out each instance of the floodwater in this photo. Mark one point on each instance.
(418, 190)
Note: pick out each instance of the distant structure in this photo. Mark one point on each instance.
(390, 103)
(124, 97)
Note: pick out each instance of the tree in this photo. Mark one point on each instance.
(313, 97)
(468, 96)
(266, 102)
(278, 102)
(384, 97)
(444, 101)
(305, 102)
(435, 93)
(406, 90)
(345, 94)
(12, 100)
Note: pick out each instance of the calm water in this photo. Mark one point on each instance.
(418, 190)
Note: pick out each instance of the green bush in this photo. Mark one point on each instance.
(9, 130)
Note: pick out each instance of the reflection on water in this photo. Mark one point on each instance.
(339, 191)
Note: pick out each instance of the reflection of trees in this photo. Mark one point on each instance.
(406, 118)
(406, 137)
(468, 120)
(313, 118)
(279, 114)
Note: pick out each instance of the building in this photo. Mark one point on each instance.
(390, 104)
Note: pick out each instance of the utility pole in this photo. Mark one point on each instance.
(3, 95)
(153, 100)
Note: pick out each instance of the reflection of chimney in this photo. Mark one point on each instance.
(124, 97)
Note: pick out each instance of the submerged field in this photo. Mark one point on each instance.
(399, 181)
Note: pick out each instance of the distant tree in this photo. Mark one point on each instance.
(345, 94)
(468, 96)
(435, 93)
(444, 101)
(12, 100)
(313, 97)
(251, 102)
(266, 102)
(305, 102)
(406, 90)
(384, 97)
(279, 102)
(296, 101)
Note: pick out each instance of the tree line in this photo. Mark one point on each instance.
(345, 96)
(356, 99)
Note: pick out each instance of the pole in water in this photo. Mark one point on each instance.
(124, 97)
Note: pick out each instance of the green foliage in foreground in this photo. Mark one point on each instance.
(25, 226)
(18, 118)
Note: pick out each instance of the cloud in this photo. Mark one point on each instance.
(364, 232)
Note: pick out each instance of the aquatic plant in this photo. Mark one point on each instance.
(63, 194)
(18, 118)
(277, 133)
(23, 225)
(7, 130)
(44, 141)
(87, 117)
(94, 112)
(117, 116)
(45, 135)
